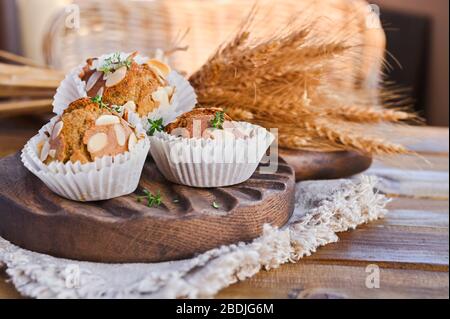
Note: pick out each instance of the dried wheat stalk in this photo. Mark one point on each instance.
(305, 85)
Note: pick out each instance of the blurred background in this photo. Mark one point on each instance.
(48, 33)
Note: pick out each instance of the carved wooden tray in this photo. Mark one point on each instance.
(124, 230)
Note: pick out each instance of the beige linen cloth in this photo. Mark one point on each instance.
(322, 209)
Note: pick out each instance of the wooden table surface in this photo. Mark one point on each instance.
(410, 246)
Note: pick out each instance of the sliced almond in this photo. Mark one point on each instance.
(163, 68)
(107, 119)
(92, 80)
(132, 141)
(39, 146)
(116, 77)
(57, 129)
(130, 105)
(97, 142)
(161, 96)
(120, 134)
(100, 91)
(52, 153)
(44, 151)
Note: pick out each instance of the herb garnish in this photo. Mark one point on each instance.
(115, 108)
(215, 205)
(217, 121)
(98, 99)
(114, 62)
(152, 200)
(155, 126)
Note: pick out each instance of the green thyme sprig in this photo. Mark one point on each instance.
(114, 62)
(98, 99)
(117, 109)
(215, 205)
(218, 120)
(155, 126)
(114, 108)
(153, 200)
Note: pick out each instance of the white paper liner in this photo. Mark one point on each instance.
(73, 88)
(105, 178)
(200, 162)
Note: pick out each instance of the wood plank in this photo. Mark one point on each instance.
(20, 59)
(417, 218)
(11, 92)
(9, 80)
(413, 234)
(25, 107)
(31, 72)
(423, 139)
(428, 162)
(318, 280)
(400, 246)
(418, 204)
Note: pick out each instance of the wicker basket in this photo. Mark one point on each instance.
(119, 25)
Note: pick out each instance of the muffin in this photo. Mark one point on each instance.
(88, 129)
(120, 80)
(206, 148)
(92, 151)
(146, 86)
(209, 123)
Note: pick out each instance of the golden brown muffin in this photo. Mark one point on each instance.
(88, 130)
(125, 80)
(203, 122)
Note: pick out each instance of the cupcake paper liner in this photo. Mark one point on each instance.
(73, 88)
(199, 162)
(105, 178)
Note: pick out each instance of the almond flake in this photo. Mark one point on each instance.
(97, 142)
(107, 120)
(116, 77)
(132, 141)
(130, 105)
(92, 80)
(44, 151)
(57, 129)
(120, 134)
(163, 68)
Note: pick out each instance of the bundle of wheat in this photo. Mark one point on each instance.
(303, 83)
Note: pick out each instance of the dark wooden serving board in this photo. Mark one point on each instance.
(123, 230)
(325, 165)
